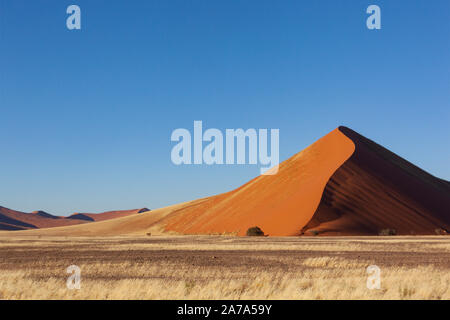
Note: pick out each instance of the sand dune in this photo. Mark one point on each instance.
(376, 189)
(279, 204)
(343, 184)
(106, 215)
(44, 214)
(17, 220)
(135, 224)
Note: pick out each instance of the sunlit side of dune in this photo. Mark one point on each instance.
(279, 204)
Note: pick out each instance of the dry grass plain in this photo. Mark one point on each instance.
(224, 267)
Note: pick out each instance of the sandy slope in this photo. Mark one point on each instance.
(343, 184)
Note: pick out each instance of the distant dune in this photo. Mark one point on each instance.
(17, 220)
(343, 184)
(44, 214)
(106, 215)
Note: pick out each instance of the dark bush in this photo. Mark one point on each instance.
(441, 231)
(255, 231)
(387, 232)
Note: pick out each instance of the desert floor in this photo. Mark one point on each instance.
(221, 267)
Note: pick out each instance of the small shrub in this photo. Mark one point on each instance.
(387, 232)
(406, 293)
(149, 234)
(188, 286)
(441, 231)
(255, 231)
(314, 232)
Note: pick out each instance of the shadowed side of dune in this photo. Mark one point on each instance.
(10, 227)
(44, 214)
(8, 223)
(377, 190)
(80, 216)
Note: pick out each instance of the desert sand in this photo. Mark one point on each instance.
(225, 267)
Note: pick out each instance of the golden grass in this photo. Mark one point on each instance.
(224, 268)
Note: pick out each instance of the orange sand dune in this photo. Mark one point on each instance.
(279, 204)
(376, 189)
(343, 184)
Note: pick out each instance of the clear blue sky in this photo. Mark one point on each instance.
(86, 116)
